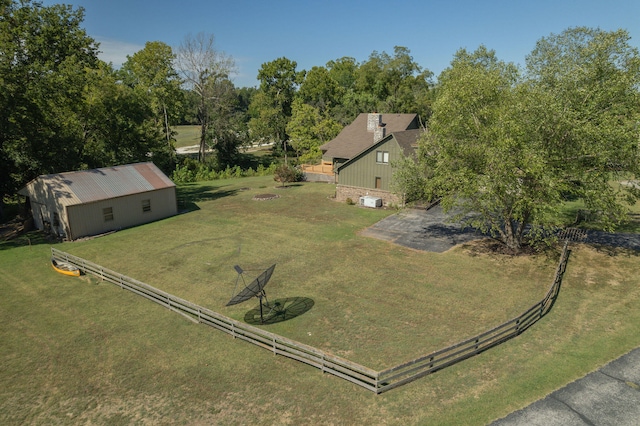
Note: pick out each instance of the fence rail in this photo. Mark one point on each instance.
(412, 370)
(375, 381)
(279, 345)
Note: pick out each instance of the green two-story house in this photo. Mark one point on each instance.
(369, 173)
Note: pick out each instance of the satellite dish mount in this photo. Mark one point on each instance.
(255, 288)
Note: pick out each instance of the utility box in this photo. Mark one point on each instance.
(369, 201)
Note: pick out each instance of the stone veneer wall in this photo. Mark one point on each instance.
(355, 192)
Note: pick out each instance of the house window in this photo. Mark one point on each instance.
(382, 157)
(146, 206)
(56, 219)
(378, 183)
(107, 212)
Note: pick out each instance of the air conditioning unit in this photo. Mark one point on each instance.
(369, 201)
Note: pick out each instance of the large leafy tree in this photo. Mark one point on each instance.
(320, 90)
(272, 105)
(203, 67)
(227, 129)
(584, 112)
(119, 124)
(44, 58)
(308, 129)
(150, 72)
(505, 151)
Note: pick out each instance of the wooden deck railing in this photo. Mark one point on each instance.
(325, 169)
(375, 381)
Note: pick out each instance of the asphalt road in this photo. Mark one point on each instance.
(608, 396)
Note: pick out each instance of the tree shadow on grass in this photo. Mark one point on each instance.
(279, 310)
(189, 194)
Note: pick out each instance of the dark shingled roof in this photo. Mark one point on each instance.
(355, 138)
(407, 140)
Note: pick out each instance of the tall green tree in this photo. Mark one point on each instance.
(320, 90)
(584, 112)
(506, 151)
(227, 129)
(308, 129)
(203, 67)
(45, 55)
(150, 71)
(473, 150)
(119, 124)
(273, 102)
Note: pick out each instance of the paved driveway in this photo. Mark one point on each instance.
(430, 230)
(421, 229)
(609, 396)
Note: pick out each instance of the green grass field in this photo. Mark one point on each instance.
(187, 135)
(78, 351)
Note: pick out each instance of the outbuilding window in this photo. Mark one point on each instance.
(107, 212)
(382, 157)
(146, 206)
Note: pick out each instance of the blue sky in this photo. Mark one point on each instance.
(315, 32)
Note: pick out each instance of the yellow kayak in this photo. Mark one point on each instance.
(65, 268)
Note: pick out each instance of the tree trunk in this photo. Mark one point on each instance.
(166, 123)
(203, 142)
(512, 239)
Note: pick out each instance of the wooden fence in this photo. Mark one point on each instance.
(324, 168)
(375, 381)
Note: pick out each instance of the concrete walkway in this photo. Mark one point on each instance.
(609, 396)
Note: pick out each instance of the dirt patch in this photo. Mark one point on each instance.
(265, 197)
(492, 246)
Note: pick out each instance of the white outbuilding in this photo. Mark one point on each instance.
(90, 202)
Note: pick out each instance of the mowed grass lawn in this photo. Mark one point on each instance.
(78, 351)
(187, 135)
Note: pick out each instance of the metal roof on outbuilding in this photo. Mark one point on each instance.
(88, 186)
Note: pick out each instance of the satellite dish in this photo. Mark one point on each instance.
(254, 289)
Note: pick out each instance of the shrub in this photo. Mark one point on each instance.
(193, 171)
(285, 173)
